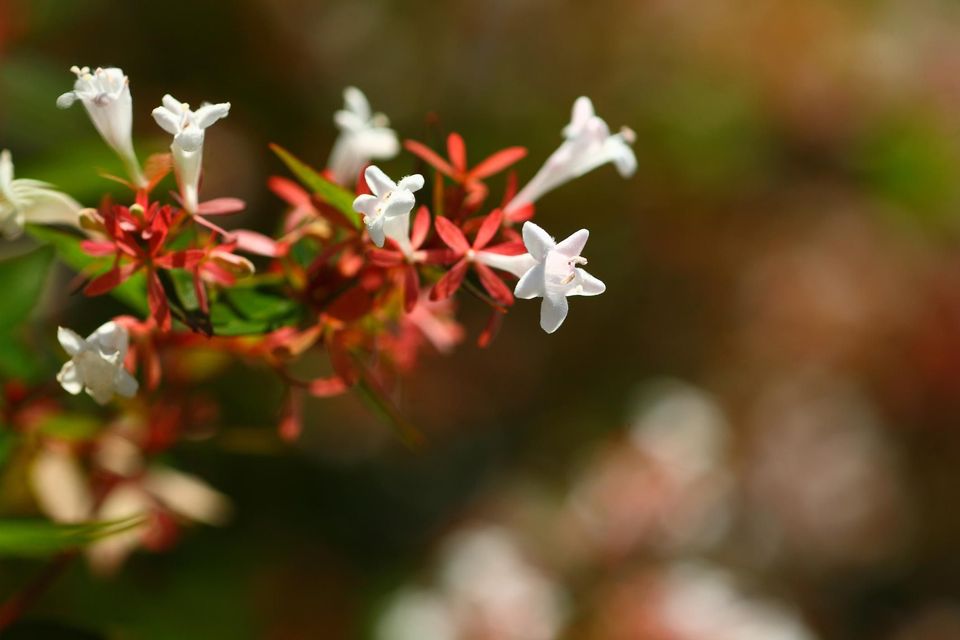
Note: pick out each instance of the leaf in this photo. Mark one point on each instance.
(132, 292)
(37, 538)
(334, 195)
(71, 426)
(21, 280)
(248, 311)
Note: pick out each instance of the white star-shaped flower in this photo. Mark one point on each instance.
(188, 128)
(588, 144)
(105, 94)
(31, 201)
(364, 136)
(556, 274)
(96, 364)
(387, 212)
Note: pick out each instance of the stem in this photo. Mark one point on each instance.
(18, 604)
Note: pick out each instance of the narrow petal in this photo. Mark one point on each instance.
(411, 183)
(498, 162)
(447, 285)
(457, 151)
(421, 227)
(167, 120)
(210, 113)
(488, 228)
(573, 245)
(365, 204)
(126, 385)
(493, 284)
(553, 311)
(188, 496)
(537, 241)
(531, 284)
(429, 156)
(589, 285)
(70, 341)
(69, 378)
(378, 181)
(451, 235)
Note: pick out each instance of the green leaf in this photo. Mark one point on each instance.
(37, 538)
(21, 280)
(132, 292)
(249, 311)
(71, 426)
(334, 195)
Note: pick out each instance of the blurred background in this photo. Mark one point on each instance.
(754, 434)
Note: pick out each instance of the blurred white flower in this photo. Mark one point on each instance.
(105, 95)
(486, 589)
(364, 136)
(555, 274)
(588, 144)
(824, 483)
(157, 491)
(669, 488)
(387, 212)
(60, 486)
(698, 602)
(31, 201)
(96, 364)
(188, 128)
(415, 614)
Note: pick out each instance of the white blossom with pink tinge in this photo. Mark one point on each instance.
(556, 274)
(588, 144)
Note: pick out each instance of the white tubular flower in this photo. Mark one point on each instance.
(187, 128)
(364, 136)
(60, 486)
(96, 364)
(588, 144)
(105, 95)
(31, 201)
(387, 212)
(556, 274)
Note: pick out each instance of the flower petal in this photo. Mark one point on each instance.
(207, 114)
(531, 284)
(69, 378)
(589, 285)
(451, 235)
(537, 241)
(447, 285)
(573, 245)
(378, 181)
(457, 152)
(553, 311)
(70, 341)
(126, 385)
(498, 162)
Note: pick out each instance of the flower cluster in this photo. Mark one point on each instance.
(358, 272)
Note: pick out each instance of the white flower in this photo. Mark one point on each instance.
(97, 363)
(363, 137)
(187, 128)
(25, 201)
(60, 486)
(105, 95)
(588, 144)
(556, 274)
(387, 212)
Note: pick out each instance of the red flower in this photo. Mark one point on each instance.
(396, 257)
(136, 240)
(469, 254)
(456, 168)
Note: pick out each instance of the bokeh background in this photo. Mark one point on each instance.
(755, 433)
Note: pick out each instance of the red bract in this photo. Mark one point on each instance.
(456, 168)
(136, 237)
(454, 238)
(396, 257)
